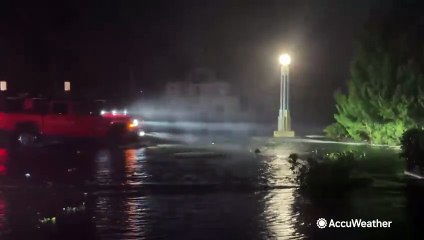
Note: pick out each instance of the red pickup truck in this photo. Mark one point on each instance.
(28, 121)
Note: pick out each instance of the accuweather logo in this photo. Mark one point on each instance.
(321, 223)
(353, 223)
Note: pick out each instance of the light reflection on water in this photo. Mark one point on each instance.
(209, 216)
(103, 167)
(3, 214)
(138, 167)
(134, 166)
(279, 215)
(241, 215)
(227, 212)
(122, 218)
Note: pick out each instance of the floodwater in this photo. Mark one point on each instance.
(164, 192)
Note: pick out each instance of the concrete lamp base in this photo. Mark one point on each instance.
(283, 133)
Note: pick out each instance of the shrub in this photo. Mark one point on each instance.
(412, 149)
(335, 131)
(323, 175)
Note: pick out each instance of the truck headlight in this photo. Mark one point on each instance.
(134, 123)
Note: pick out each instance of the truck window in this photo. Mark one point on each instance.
(41, 106)
(60, 108)
(86, 108)
(12, 105)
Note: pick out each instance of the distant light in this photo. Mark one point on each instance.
(67, 86)
(125, 112)
(3, 86)
(27, 175)
(102, 112)
(113, 112)
(285, 59)
(141, 133)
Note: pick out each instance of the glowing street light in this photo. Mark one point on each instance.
(285, 59)
(284, 124)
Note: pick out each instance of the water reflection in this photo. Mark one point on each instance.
(226, 211)
(137, 218)
(3, 214)
(259, 215)
(139, 167)
(134, 166)
(122, 217)
(103, 167)
(113, 215)
(274, 170)
(4, 157)
(280, 216)
(177, 217)
(109, 167)
(131, 165)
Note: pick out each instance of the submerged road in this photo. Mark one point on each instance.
(215, 190)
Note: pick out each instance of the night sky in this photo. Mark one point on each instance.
(95, 44)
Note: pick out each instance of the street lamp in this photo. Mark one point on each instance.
(284, 124)
(285, 59)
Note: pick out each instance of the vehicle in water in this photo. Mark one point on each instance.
(26, 122)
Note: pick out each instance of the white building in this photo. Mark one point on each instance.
(203, 97)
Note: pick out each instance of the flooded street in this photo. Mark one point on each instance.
(183, 192)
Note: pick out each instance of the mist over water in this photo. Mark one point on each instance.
(183, 124)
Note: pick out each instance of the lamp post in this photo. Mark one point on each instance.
(284, 124)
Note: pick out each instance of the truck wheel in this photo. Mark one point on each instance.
(25, 137)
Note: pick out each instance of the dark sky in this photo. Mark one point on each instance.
(96, 43)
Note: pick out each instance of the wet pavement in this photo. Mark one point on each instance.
(169, 191)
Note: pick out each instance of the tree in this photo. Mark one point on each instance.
(385, 91)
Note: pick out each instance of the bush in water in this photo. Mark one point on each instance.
(327, 174)
(412, 149)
